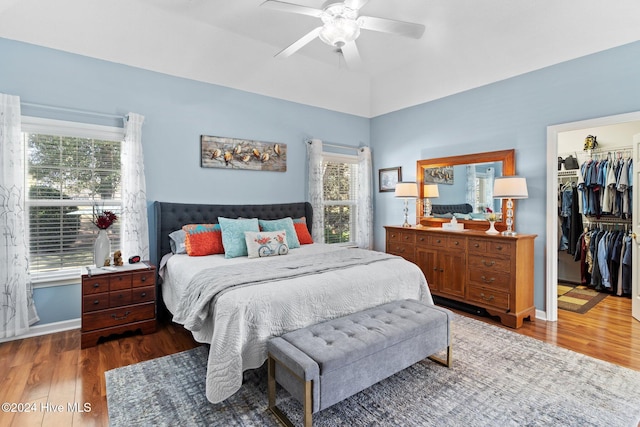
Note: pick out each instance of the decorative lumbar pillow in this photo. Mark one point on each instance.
(303, 233)
(266, 243)
(285, 224)
(177, 242)
(203, 239)
(233, 235)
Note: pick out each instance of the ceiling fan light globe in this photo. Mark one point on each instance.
(339, 31)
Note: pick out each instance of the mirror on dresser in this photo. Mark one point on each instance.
(465, 182)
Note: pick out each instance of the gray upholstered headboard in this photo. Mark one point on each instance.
(172, 216)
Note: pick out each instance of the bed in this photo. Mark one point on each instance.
(312, 283)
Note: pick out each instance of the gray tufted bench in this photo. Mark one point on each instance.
(322, 364)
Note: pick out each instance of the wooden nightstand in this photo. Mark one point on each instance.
(117, 301)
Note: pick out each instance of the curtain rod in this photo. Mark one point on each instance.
(329, 144)
(73, 110)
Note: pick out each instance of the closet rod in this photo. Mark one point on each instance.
(73, 110)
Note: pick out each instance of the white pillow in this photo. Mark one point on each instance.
(266, 243)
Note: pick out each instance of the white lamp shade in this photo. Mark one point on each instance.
(510, 187)
(407, 190)
(430, 190)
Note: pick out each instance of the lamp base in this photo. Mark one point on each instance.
(509, 233)
(406, 225)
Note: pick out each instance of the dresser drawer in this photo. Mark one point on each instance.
(117, 316)
(494, 279)
(118, 298)
(437, 241)
(479, 246)
(405, 250)
(145, 278)
(95, 285)
(488, 297)
(95, 302)
(119, 281)
(139, 295)
(457, 243)
(489, 264)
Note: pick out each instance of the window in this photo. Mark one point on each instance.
(340, 183)
(72, 168)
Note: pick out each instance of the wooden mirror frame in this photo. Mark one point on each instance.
(507, 157)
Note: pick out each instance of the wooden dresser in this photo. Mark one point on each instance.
(493, 272)
(118, 301)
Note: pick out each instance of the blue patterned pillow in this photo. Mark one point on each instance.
(233, 235)
(285, 224)
(266, 243)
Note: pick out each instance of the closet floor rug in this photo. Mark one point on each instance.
(498, 378)
(578, 298)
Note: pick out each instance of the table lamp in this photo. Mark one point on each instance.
(429, 191)
(510, 187)
(406, 191)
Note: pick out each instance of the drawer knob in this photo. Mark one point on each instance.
(422, 239)
(456, 243)
(489, 298)
(96, 302)
(438, 241)
(142, 295)
(499, 248)
(484, 279)
(477, 245)
(143, 279)
(96, 285)
(116, 317)
(488, 264)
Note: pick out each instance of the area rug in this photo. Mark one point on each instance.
(578, 298)
(498, 378)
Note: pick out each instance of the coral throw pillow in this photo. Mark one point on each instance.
(303, 233)
(203, 239)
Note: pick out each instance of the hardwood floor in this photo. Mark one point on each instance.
(53, 370)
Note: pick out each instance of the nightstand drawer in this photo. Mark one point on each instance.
(118, 298)
(95, 285)
(117, 316)
(146, 278)
(95, 302)
(139, 295)
(119, 281)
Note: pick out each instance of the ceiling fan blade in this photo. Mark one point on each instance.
(299, 44)
(352, 56)
(407, 29)
(355, 4)
(292, 8)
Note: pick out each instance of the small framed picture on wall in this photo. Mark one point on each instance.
(388, 178)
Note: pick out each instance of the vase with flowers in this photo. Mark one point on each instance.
(491, 217)
(102, 246)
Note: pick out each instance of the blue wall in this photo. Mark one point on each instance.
(513, 113)
(177, 111)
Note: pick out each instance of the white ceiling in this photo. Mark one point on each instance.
(467, 43)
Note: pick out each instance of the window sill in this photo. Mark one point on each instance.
(59, 279)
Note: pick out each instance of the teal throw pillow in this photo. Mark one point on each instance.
(285, 224)
(233, 238)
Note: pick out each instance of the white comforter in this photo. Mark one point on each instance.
(245, 318)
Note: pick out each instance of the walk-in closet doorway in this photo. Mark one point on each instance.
(554, 135)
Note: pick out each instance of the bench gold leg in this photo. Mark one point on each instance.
(448, 362)
(271, 389)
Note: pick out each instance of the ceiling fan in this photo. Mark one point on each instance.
(341, 25)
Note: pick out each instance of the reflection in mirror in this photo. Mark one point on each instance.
(465, 186)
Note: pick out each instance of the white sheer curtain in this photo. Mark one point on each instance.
(471, 187)
(365, 203)
(316, 173)
(17, 310)
(135, 227)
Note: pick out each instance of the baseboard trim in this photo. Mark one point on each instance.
(48, 328)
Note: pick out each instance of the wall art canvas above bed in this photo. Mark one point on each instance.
(440, 175)
(233, 153)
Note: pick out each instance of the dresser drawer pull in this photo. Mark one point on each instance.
(422, 239)
(143, 279)
(489, 298)
(476, 245)
(484, 279)
(142, 295)
(393, 235)
(96, 302)
(499, 248)
(438, 241)
(96, 285)
(488, 264)
(456, 243)
(116, 317)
